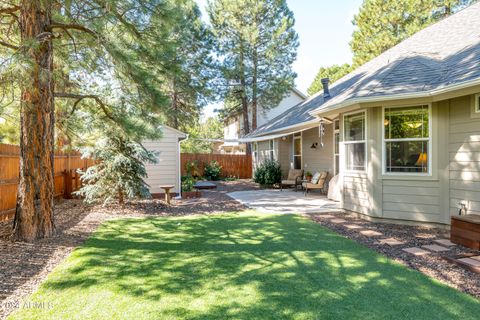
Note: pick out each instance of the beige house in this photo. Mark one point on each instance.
(167, 170)
(402, 131)
(233, 129)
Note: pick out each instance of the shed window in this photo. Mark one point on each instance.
(355, 141)
(407, 139)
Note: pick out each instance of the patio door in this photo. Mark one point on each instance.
(297, 150)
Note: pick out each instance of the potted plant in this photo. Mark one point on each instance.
(308, 176)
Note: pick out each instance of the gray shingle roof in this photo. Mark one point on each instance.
(441, 55)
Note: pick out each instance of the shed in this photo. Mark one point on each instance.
(167, 170)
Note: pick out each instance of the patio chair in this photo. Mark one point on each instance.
(294, 179)
(319, 181)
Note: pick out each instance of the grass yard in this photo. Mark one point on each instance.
(238, 266)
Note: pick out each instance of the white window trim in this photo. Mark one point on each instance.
(271, 149)
(255, 151)
(430, 144)
(335, 132)
(301, 150)
(476, 106)
(365, 141)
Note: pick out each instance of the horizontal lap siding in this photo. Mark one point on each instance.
(464, 155)
(355, 194)
(320, 158)
(166, 171)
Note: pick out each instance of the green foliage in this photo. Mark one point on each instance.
(268, 173)
(201, 136)
(192, 168)
(308, 174)
(257, 45)
(213, 170)
(381, 24)
(187, 183)
(119, 171)
(333, 72)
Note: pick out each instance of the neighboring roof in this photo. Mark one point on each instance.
(443, 55)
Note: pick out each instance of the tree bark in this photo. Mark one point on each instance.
(34, 213)
(244, 100)
(254, 90)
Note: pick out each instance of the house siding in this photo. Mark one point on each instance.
(464, 156)
(166, 171)
(319, 159)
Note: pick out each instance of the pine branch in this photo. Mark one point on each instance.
(71, 26)
(9, 45)
(80, 97)
(9, 10)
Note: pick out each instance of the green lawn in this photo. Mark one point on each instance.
(237, 266)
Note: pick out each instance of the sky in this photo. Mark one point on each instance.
(324, 29)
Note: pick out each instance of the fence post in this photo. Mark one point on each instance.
(67, 183)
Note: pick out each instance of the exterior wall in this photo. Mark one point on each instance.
(166, 171)
(289, 101)
(285, 155)
(464, 156)
(319, 159)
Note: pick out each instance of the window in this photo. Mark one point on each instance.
(407, 139)
(255, 151)
(271, 149)
(355, 141)
(336, 149)
(297, 151)
(477, 103)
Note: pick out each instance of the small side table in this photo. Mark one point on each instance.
(167, 189)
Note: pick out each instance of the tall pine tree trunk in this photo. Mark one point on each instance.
(34, 214)
(244, 100)
(254, 90)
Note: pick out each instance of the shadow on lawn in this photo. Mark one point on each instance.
(250, 266)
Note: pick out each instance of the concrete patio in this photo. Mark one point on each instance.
(286, 201)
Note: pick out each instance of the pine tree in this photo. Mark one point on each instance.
(119, 173)
(333, 72)
(98, 62)
(381, 24)
(257, 45)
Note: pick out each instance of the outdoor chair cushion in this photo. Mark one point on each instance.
(319, 177)
(315, 178)
(293, 174)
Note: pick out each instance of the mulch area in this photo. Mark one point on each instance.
(435, 265)
(25, 265)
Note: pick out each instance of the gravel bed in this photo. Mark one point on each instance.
(25, 265)
(434, 265)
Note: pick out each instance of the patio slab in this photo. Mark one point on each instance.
(286, 201)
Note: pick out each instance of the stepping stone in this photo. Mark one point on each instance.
(444, 242)
(471, 262)
(326, 216)
(371, 233)
(338, 221)
(391, 242)
(435, 248)
(475, 258)
(352, 226)
(416, 251)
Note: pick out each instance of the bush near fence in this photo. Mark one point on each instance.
(239, 166)
(66, 178)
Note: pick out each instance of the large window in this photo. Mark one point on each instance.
(297, 151)
(255, 151)
(355, 141)
(407, 139)
(336, 149)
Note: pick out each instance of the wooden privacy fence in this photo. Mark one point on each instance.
(66, 178)
(239, 166)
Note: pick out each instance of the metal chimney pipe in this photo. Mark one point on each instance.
(326, 92)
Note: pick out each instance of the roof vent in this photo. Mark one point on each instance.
(326, 92)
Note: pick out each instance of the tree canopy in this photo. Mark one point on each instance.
(256, 43)
(333, 72)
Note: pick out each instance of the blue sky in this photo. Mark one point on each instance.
(324, 28)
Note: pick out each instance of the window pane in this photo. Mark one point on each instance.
(355, 127)
(408, 122)
(355, 156)
(297, 162)
(337, 143)
(297, 146)
(407, 156)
